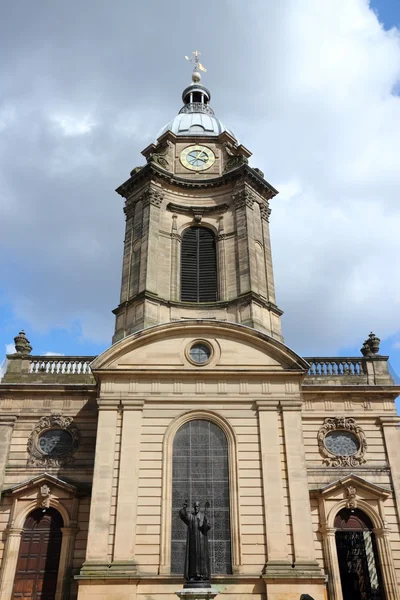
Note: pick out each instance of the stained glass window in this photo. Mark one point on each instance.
(342, 443)
(200, 472)
(54, 442)
(200, 353)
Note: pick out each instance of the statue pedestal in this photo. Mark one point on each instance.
(197, 593)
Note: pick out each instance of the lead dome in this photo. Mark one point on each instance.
(196, 116)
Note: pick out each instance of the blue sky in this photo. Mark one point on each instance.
(84, 91)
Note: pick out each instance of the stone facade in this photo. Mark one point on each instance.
(112, 482)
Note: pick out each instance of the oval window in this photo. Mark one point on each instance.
(342, 443)
(54, 442)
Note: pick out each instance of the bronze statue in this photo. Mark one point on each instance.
(197, 560)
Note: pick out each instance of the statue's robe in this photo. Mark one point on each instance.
(197, 562)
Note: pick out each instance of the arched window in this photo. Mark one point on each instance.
(200, 472)
(198, 266)
(39, 555)
(360, 574)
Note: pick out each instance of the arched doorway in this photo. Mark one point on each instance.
(39, 556)
(360, 573)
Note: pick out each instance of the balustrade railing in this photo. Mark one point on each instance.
(335, 366)
(61, 365)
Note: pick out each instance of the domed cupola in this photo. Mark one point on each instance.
(196, 116)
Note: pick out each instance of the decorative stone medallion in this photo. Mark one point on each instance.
(342, 442)
(53, 441)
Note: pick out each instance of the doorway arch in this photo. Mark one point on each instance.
(359, 567)
(39, 556)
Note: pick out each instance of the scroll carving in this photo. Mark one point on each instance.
(56, 421)
(341, 458)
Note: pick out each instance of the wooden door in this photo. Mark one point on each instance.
(39, 556)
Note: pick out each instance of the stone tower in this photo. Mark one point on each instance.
(197, 241)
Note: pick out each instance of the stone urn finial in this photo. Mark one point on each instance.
(22, 344)
(365, 349)
(374, 342)
(370, 346)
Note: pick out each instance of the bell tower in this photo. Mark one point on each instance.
(197, 240)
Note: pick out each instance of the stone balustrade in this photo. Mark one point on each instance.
(324, 366)
(61, 365)
(323, 371)
(27, 368)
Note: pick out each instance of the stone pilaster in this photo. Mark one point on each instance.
(391, 435)
(390, 584)
(9, 562)
(65, 565)
(152, 201)
(221, 259)
(246, 260)
(6, 428)
(275, 518)
(302, 528)
(97, 553)
(175, 260)
(265, 213)
(125, 532)
(331, 559)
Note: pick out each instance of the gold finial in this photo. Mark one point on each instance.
(197, 66)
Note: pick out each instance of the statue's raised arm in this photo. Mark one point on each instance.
(183, 513)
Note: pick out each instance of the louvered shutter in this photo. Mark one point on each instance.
(198, 266)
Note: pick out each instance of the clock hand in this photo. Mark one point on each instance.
(202, 159)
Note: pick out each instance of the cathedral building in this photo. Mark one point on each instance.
(198, 399)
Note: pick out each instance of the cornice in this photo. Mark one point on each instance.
(310, 388)
(198, 210)
(242, 299)
(31, 387)
(153, 171)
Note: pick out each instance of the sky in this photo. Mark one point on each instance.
(311, 88)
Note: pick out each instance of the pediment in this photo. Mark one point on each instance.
(165, 347)
(32, 485)
(364, 489)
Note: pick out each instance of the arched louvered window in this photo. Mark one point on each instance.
(200, 472)
(198, 266)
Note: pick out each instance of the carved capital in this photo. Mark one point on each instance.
(244, 198)
(152, 197)
(265, 211)
(343, 456)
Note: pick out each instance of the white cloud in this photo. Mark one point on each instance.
(72, 126)
(53, 354)
(334, 127)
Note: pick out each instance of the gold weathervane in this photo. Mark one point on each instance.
(197, 66)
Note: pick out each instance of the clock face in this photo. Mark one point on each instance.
(197, 158)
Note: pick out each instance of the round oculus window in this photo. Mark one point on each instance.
(54, 442)
(200, 353)
(342, 443)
